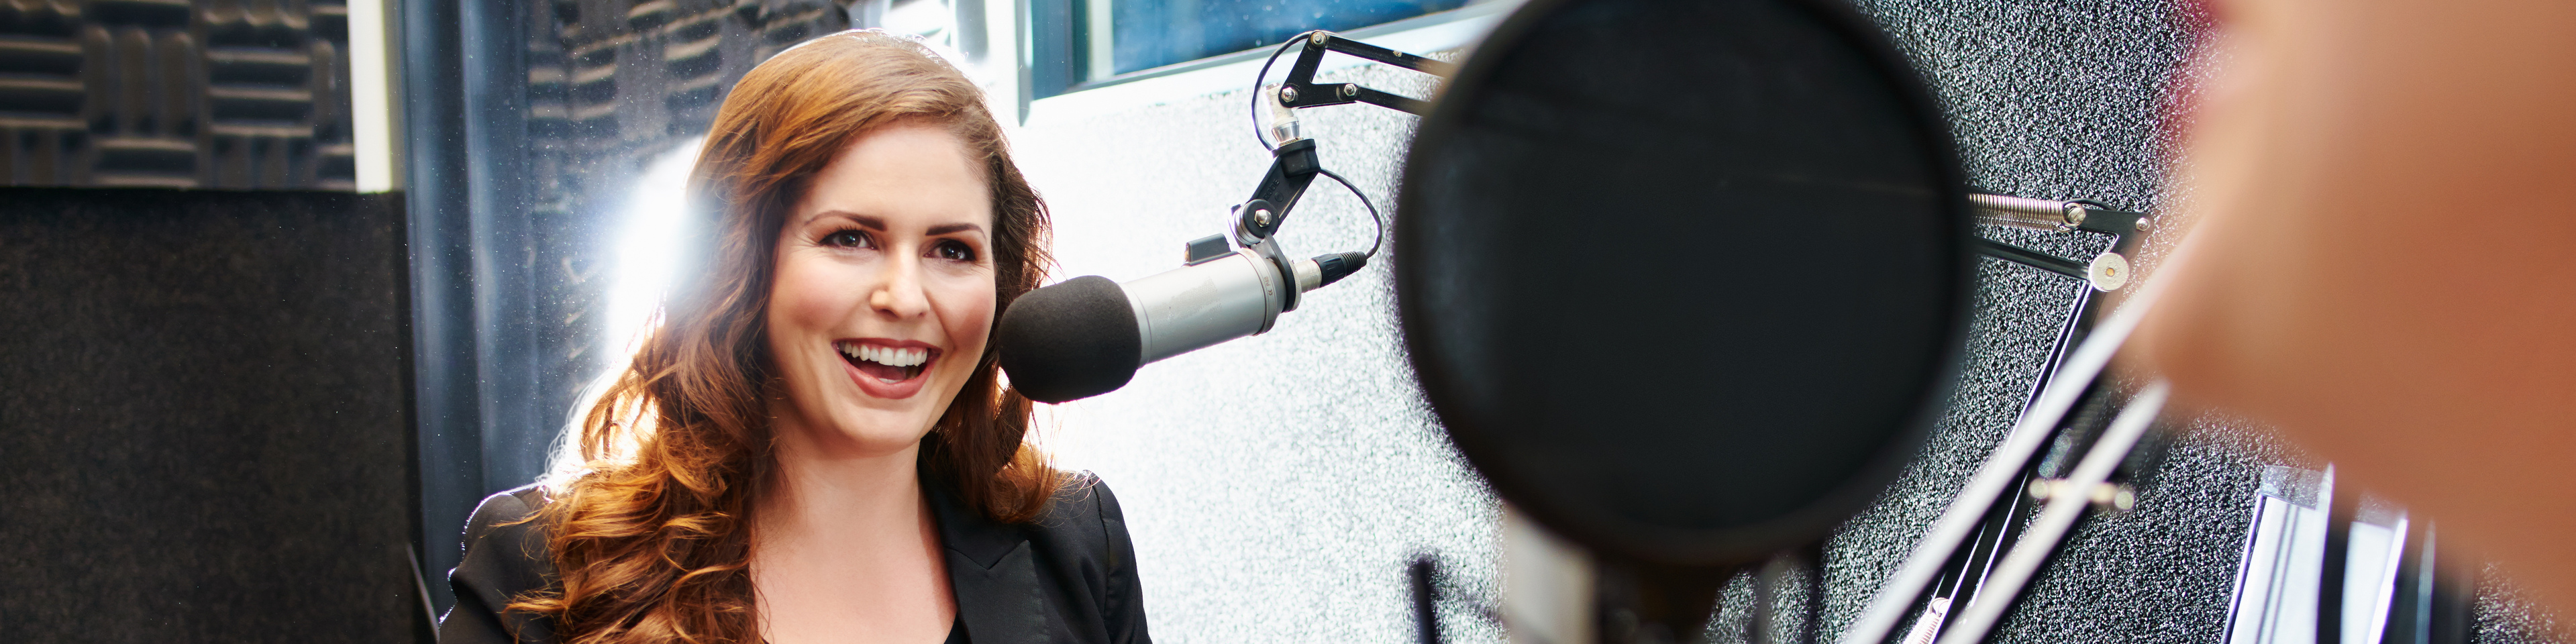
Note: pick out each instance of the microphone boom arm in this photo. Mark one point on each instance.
(1294, 164)
(1300, 90)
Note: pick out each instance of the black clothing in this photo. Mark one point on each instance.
(1068, 578)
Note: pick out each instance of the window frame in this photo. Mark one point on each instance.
(1056, 48)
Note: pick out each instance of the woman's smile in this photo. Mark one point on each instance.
(887, 368)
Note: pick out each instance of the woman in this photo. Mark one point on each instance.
(815, 444)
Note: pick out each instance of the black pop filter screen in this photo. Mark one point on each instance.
(1687, 281)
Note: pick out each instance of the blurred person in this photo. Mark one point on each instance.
(2380, 262)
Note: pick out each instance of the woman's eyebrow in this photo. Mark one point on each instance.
(871, 223)
(944, 229)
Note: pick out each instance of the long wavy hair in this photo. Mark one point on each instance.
(651, 538)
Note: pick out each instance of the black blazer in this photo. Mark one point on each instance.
(1068, 578)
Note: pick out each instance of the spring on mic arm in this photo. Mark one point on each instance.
(2025, 212)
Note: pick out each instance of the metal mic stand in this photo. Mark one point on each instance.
(2015, 511)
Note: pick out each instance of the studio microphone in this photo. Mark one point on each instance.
(1087, 336)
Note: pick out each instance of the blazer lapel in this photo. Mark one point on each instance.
(992, 572)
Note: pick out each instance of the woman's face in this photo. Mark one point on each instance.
(885, 292)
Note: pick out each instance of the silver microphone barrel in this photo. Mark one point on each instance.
(2025, 212)
(1197, 306)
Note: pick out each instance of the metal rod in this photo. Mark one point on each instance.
(1424, 573)
(1301, 91)
(1814, 627)
(2411, 604)
(2004, 524)
(1425, 65)
(2343, 510)
(2031, 258)
(1999, 473)
(2068, 500)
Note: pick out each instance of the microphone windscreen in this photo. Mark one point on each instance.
(1072, 340)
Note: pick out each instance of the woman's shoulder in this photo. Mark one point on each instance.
(508, 508)
(1084, 535)
(506, 523)
(506, 556)
(1081, 521)
(1083, 500)
(1084, 524)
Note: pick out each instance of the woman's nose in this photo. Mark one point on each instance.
(898, 293)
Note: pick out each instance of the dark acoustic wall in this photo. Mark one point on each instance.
(204, 430)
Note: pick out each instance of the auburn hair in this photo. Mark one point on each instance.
(651, 538)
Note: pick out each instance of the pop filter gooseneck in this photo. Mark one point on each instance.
(1688, 282)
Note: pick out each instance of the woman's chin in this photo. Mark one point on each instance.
(870, 433)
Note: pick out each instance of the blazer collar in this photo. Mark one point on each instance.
(992, 572)
(968, 532)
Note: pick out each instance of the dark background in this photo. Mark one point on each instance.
(205, 435)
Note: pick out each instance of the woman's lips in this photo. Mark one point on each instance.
(887, 369)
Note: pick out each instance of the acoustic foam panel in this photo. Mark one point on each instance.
(175, 93)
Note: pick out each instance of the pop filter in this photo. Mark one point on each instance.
(1687, 282)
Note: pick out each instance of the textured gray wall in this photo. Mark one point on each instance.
(1277, 484)
(2058, 100)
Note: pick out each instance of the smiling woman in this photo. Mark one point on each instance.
(815, 444)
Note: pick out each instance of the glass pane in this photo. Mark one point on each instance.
(1152, 33)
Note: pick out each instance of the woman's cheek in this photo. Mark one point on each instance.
(967, 311)
(817, 297)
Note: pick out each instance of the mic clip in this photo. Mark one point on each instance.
(1292, 168)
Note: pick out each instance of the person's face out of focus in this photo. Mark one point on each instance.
(2383, 259)
(884, 294)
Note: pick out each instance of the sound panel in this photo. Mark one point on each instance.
(204, 403)
(612, 83)
(175, 94)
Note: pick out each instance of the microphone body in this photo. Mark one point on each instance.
(1087, 336)
(1197, 306)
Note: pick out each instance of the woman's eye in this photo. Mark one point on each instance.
(846, 239)
(954, 250)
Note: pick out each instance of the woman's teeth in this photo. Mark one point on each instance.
(888, 356)
(887, 364)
